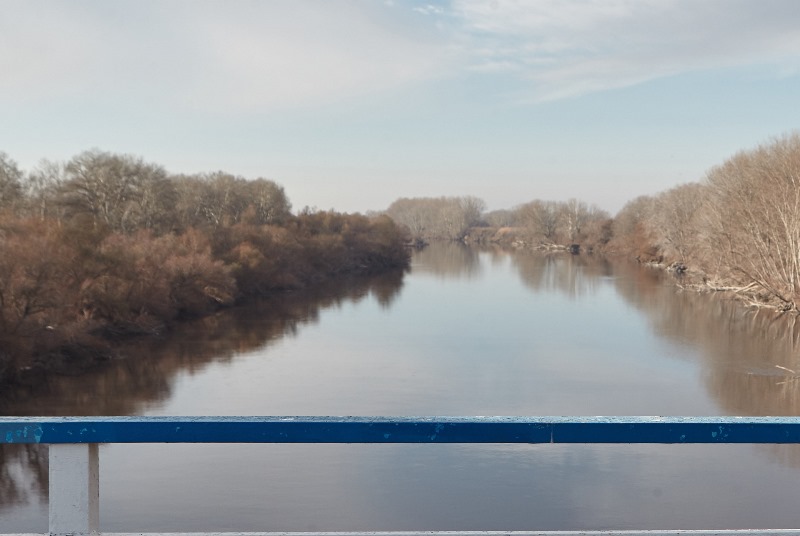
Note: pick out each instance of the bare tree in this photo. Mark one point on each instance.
(42, 186)
(633, 229)
(501, 218)
(541, 217)
(412, 214)
(269, 202)
(223, 198)
(676, 220)
(445, 218)
(574, 216)
(10, 183)
(121, 192)
(754, 219)
(472, 209)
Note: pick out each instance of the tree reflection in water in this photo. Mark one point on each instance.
(23, 474)
(751, 357)
(573, 275)
(746, 356)
(448, 260)
(148, 368)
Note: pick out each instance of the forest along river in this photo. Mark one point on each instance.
(466, 332)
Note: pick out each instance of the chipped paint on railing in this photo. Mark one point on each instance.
(16, 434)
(56, 430)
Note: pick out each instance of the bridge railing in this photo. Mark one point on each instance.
(74, 491)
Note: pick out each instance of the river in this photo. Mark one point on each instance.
(465, 332)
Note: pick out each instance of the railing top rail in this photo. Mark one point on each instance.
(531, 430)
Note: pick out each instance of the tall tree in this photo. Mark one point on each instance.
(10, 183)
(42, 186)
(754, 219)
(541, 218)
(121, 192)
(268, 201)
(446, 218)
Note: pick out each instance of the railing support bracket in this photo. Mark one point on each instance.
(74, 489)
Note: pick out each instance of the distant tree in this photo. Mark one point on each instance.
(42, 186)
(541, 218)
(676, 221)
(412, 213)
(633, 229)
(445, 218)
(501, 218)
(10, 183)
(189, 192)
(597, 231)
(573, 216)
(268, 201)
(221, 199)
(121, 192)
(472, 209)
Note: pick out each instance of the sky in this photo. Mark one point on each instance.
(352, 104)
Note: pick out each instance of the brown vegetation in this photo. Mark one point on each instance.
(737, 230)
(442, 218)
(108, 245)
(537, 224)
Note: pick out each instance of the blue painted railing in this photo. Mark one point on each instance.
(61, 430)
(74, 466)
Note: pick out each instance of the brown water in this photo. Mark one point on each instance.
(466, 332)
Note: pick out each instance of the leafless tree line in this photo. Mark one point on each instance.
(739, 227)
(563, 222)
(124, 193)
(541, 222)
(432, 218)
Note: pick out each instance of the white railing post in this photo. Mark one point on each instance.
(74, 489)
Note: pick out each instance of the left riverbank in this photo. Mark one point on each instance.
(69, 294)
(105, 247)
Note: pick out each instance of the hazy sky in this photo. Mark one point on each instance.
(352, 104)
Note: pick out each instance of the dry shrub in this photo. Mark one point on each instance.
(36, 290)
(150, 280)
(262, 258)
(39, 288)
(317, 245)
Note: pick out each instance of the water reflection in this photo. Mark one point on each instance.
(751, 357)
(146, 376)
(574, 275)
(23, 474)
(448, 260)
(520, 333)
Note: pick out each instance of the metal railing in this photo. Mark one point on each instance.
(74, 462)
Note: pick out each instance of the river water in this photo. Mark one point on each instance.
(465, 332)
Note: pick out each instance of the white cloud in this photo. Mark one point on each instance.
(429, 9)
(220, 56)
(573, 47)
(242, 57)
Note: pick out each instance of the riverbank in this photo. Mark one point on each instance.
(686, 277)
(522, 238)
(69, 295)
(472, 331)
